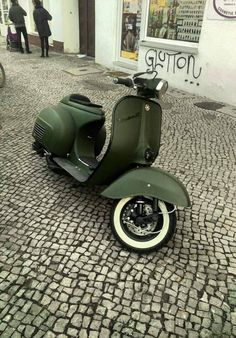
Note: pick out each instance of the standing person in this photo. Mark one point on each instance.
(16, 15)
(41, 17)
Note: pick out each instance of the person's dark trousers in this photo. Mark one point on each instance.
(44, 43)
(23, 30)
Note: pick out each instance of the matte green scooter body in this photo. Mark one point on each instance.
(56, 127)
(153, 182)
(69, 129)
(136, 130)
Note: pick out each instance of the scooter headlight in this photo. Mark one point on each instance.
(161, 89)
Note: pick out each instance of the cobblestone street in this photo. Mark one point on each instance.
(62, 273)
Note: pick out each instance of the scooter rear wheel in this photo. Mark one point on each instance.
(132, 227)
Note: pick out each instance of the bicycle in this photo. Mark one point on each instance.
(2, 76)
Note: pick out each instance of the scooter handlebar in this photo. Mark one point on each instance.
(126, 82)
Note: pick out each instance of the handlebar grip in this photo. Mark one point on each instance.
(123, 81)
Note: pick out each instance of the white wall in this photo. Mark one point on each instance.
(106, 31)
(55, 9)
(215, 61)
(70, 25)
(26, 6)
(217, 53)
(64, 24)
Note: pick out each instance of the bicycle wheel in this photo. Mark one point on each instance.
(2, 76)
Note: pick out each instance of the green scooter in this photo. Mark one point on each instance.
(72, 134)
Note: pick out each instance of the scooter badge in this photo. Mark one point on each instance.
(147, 107)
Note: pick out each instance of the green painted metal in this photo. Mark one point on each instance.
(153, 182)
(69, 128)
(55, 130)
(136, 128)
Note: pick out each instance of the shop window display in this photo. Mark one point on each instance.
(131, 23)
(4, 10)
(175, 19)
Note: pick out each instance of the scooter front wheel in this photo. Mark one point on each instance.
(141, 226)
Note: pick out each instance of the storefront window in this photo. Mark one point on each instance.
(175, 19)
(131, 23)
(6, 7)
(4, 11)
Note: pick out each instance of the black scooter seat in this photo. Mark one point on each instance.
(84, 100)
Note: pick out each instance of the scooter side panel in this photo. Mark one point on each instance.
(54, 129)
(152, 182)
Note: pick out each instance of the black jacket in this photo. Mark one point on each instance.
(16, 15)
(41, 17)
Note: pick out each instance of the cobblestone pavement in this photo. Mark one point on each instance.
(62, 273)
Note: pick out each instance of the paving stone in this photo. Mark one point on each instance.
(50, 335)
(180, 331)
(233, 318)
(38, 321)
(73, 332)
(61, 269)
(162, 335)
(169, 325)
(60, 325)
(16, 335)
(141, 327)
(29, 331)
(35, 309)
(104, 333)
(7, 332)
(2, 326)
(83, 334)
(76, 320)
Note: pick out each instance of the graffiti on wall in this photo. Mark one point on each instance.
(173, 62)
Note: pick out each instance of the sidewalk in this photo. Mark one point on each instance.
(62, 273)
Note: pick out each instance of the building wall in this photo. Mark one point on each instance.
(209, 70)
(213, 64)
(106, 31)
(70, 25)
(56, 23)
(64, 25)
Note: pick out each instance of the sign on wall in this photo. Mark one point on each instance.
(222, 9)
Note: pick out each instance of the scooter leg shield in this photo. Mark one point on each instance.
(152, 182)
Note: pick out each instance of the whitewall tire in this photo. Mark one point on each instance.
(142, 237)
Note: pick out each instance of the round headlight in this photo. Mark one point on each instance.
(161, 88)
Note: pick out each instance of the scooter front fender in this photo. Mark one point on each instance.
(153, 182)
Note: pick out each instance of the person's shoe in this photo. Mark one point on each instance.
(29, 52)
(42, 55)
(22, 51)
(47, 56)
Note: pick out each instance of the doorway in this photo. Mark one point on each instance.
(87, 27)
